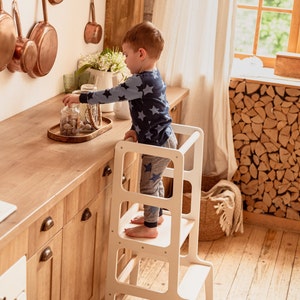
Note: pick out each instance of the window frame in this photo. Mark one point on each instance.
(294, 36)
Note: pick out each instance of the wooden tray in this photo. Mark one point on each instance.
(54, 133)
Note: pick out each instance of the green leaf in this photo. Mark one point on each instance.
(83, 68)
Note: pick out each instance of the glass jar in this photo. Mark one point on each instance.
(69, 120)
(90, 114)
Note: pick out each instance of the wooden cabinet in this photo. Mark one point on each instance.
(175, 113)
(84, 239)
(70, 261)
(87, 190)
(83, 250)
(43, 271)
(62, 220)
(79, 258)
(44, 228)
(44, 255)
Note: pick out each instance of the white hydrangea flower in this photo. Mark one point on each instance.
(109, 60)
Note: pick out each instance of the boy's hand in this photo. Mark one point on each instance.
(69, 99)
(131, 134)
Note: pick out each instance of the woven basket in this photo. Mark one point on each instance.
(209, 227)
(209, 181)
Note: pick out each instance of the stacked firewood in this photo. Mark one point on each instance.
(266, 133)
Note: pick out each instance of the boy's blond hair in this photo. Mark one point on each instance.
(145, 35)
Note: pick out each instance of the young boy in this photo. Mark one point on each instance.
(149, 109)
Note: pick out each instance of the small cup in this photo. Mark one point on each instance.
(69, 83)
(83, 78)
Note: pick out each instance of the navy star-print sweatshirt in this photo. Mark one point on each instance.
(148, 105)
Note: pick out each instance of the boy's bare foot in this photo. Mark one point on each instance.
(140, 220)
(142, 232)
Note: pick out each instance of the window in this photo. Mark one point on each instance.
(265, 27)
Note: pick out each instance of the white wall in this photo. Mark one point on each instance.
(18, 91)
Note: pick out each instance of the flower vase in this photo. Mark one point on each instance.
(121, 108)
(102, 80)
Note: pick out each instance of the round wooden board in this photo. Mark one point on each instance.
(54, 133)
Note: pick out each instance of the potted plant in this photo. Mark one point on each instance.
(108, 60)
(107, 69)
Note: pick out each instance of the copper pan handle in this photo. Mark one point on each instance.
(17, 18)
(44, 3)
(92, 8)
(1, 5)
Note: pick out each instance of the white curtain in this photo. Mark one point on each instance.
(198, 54)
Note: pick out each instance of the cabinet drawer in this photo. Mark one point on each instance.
(13, 251)
(80, 255)
(175, 113)
(106, 175)
(44, 270)
(88, 190)
(45, 227)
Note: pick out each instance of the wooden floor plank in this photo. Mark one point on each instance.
(204, 248)
(230, 262)
(262, 263)
(294, 288)
(244, 275)
(265, 266)
(283, 268)
(150, 270)
(217, 251)
(161, 282)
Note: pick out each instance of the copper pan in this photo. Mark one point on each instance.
(93, 30)
(45, 37)
(53, 2)
(25, 54)
(7, 38)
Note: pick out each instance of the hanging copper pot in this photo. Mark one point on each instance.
(93, 30)
(25, 54)
(45, 37)
(7, 38)
(53, 2)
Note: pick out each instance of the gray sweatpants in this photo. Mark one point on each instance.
(151, 181)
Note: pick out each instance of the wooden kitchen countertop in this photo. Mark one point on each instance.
(37, 172)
